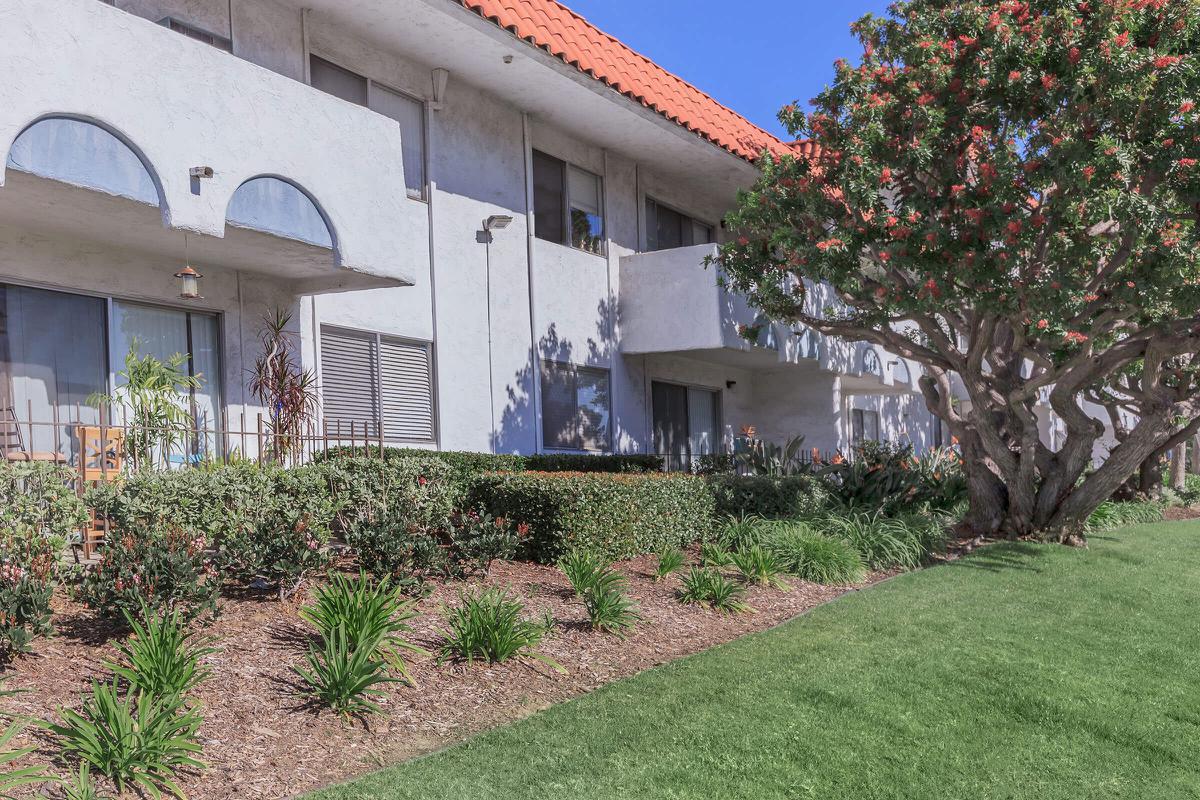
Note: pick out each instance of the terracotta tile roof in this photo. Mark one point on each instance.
(568, 36)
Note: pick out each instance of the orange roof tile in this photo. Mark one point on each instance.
(570, 37)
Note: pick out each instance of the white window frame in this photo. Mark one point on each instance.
(566, 206)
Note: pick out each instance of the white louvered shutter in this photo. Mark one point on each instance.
(349, 383)
(407, 387)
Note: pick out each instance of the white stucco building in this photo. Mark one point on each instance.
(488, 219)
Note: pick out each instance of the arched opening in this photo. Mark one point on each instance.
(83, 153)
(277, 206)
(900, 372)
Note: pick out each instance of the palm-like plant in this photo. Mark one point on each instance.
(284, 387)
(11, 779)
(162, 658)
(344, 677)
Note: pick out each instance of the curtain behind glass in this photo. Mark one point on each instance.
(703, 435)
(53, 345)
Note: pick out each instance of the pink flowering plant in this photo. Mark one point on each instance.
(29, 571)
(1007, 193)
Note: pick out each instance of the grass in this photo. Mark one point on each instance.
(1020, 671)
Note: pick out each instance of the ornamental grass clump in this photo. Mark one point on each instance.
(582, 568)
(608, 608)
(670, 561)
(344, 677)
(903, 542)
(806, 554)
(708, 587)
(488, 625)
(162, 657)
(759, 566)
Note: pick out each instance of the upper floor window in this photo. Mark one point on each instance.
(407, 111)
(667, 228)
(568, 204)
(199, 34)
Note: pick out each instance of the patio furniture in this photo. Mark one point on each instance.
(101, 460)
(13, 442)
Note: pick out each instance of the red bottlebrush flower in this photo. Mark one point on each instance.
(1187, 163)
(1168, 142)
(1075, 337)
(1122, 40)
(885, 256)
(1073, 55)
(1042, 324)
(974, 214)
(1130, 284)
(885, 176)
(1091, 298)
(1014, 227)
(1162, 62)
(1037, 220)
(957, 188)
(1088, 172)
(421, 481)
(1048, 82)
(828, 243)
(1186, 106)
(743, 241)
(1015, 75)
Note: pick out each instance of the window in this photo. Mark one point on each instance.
(864, 426)
(575, 407)
(687, 422)
(57, 351)
(407, 111)
(199, 34)
(372, 383)
(568, 204)
(667, 228)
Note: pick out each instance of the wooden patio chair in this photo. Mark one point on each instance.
(13, 442)
(101, 460)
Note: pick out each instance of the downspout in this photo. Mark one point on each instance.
(611, 323)
(431, 187)
(535, 374)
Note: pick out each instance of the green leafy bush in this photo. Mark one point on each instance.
(608, 608)
(766, 496)
(162, 657)
(150, 570)
(887, 477)
(477, 539)
(670, 561)
(371, 615)
(812, 557)
(461, 468)
(489, 625)
(887, 542)
(344, 677)
(265, 523)
(759, 566)
(616, 515)
(139, 741)
(1110, 515)
(29, 571)
(37, 496)
(710, 588)
(582, 462)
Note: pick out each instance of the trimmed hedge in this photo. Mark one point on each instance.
(581, 462)
(467, 465)
(790, 496)
(617, 516)
(38, 496)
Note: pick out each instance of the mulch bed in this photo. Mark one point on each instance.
(260, 741)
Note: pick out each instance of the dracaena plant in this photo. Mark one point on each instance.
(1007, 194)
(286, 389)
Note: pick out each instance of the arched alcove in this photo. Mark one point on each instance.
(277, 206)
(84, 153)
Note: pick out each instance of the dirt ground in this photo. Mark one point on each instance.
(262, 741)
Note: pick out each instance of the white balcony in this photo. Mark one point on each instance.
(178, 104)
(672, 303)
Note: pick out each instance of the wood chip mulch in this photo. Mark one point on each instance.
(261, 741)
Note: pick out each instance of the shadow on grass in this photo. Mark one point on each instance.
(1002, 556)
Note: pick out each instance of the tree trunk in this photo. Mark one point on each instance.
(1195, 466)
(1179, 467)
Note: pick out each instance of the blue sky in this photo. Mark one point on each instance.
(755, 56)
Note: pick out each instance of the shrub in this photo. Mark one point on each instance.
(477, 539)
(812, 557)
(710, 588)
(1110, 515)
(21, 776)
(38, 496)
(461, 468)
(140, 741)
(758, 566)
(887, 477)
(887, 542)
(765, 496)
(617, 516)
(488, 625)
(608, 608)
(29, 571)
(581, 462)
(739, 532)
(342, 676)
(265, 523)
(147, 570)
(162, 658)
(373, 616)
(582, 568)
(669, 561)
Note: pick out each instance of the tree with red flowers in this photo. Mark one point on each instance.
(1007, 193)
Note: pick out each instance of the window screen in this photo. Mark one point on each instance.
(410, 113)
(575, 407)
(549, 198)
(339, 82)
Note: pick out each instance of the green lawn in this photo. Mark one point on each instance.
(1023, 671)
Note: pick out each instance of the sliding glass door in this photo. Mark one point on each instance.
(687, 422)
(59, 351)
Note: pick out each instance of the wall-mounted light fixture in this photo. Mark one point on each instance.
(497, 222)
(200, 172)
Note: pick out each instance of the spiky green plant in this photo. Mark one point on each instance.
(759, 566)
(81, 786)
(713, 554)
(808, 555)
(162, 657)
(10, 778)
(372, 615)
(669, 561)
(710, 588)
(138, 741)
(343, 677)
(741, 531)
(489, 625)
(608, 608)
(582, 567)
(888, 542)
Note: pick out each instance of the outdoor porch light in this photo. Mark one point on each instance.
(497, 222)
(189, 283)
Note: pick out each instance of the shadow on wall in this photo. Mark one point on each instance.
(517, 429)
